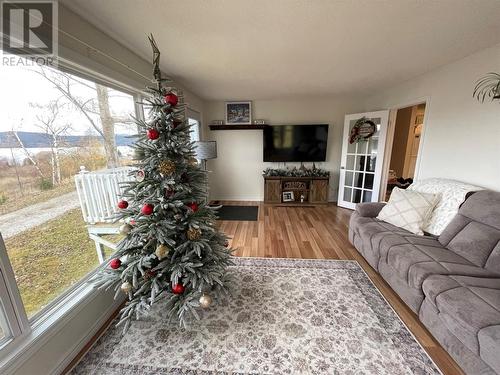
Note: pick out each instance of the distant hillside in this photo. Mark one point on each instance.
(35, 140)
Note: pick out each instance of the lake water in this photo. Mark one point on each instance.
(19, 154)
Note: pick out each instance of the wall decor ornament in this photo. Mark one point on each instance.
(239, 113)
(362, 130)
(488, 87)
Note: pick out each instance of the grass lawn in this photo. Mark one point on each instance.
(30, 198)
(50, 258)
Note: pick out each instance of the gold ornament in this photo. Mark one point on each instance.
(125, 228)
(193, 162)
(166, 167)
(126, 287)
(162, 251)
(205, 301)
(193, 234)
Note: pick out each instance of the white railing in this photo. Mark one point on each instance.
(99, 193)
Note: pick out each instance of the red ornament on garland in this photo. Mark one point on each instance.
(147, 209)
(153, 134)
(122, 204)
(226, 243)
(178, 288)
(193, 206)
(171, 99)
(115, 263)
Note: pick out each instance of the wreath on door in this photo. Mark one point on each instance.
(362, 130)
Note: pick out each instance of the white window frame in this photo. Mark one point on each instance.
(195, 115)
(28, 335)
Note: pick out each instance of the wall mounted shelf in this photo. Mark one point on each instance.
(237, 127)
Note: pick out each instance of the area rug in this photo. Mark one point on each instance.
(238, 213)
(284, 317)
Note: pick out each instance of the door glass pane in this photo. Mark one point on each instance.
(358, 180)
(348, 178)
(371, 163)
(367, 196)
(350, 162)
(356, 195)
(347, 194)
(362, 147)
(373, 146)
(351, 147)
(62, 123)
(368, 183)
(360, 163)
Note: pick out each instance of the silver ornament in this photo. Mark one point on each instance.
(125, 228)
(126, 287)
(140, 175)
(205, 301)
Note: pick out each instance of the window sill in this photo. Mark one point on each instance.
(53, 320)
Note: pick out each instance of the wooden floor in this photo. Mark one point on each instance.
(320, 233)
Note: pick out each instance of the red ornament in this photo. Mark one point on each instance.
(147, 209)
(171, 99)
(153, 134)
(122, 204)
(115, 263)
(178, 288)
(193, 206)
(226, 243)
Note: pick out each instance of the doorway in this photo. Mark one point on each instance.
(403, 148)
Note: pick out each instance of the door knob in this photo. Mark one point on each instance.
(342, 167)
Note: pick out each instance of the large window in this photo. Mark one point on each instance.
(53, 125)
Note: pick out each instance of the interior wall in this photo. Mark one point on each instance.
(461, 136)
(236, 174)
(401, 130)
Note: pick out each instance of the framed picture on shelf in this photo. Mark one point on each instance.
(288, 196)
(239, 113)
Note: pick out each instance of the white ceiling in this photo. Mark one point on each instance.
(261, 49)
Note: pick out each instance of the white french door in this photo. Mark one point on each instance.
(361, 163)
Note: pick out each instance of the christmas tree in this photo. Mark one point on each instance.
(172, 250)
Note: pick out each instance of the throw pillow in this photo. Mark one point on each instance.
(452, 195)
(408, 209)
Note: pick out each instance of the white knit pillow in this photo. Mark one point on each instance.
(452, 195)
(408, 209)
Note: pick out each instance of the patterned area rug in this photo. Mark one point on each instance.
(285, 317)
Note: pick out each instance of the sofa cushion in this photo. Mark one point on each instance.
(489, 346)
(453, 194)
(408, 209)
(474, 233)
(415, 262)
(465, 304)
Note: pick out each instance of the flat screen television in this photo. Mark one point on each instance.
(295, 143)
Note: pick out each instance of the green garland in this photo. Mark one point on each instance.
(296, 172)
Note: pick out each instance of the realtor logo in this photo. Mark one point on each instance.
(29, 29)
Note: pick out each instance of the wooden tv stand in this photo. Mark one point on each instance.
(313, 189)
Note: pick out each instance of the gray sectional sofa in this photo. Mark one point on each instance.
(452, 281)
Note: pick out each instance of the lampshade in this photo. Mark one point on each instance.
(206, 150)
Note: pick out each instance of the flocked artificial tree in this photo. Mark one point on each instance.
(172, 250)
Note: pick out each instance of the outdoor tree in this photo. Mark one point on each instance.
(95, 108)
(172, 250)
(49, 121)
